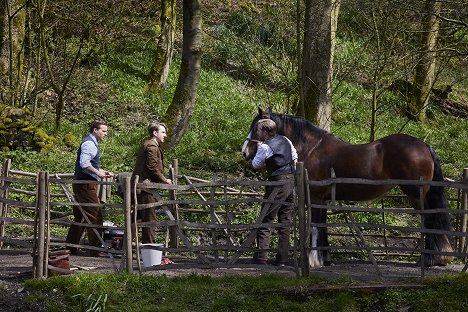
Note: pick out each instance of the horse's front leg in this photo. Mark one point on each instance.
(319, 238)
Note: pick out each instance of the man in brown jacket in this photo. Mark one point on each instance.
(149, 167)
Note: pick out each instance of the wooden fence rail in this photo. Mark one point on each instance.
(210, 221)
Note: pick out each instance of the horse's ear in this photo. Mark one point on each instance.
(266, 113)
(260, 111)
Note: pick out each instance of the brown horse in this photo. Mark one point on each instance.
(397, 156)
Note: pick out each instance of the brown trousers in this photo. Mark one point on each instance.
(147, 215)
(85, 193)
(284, 213)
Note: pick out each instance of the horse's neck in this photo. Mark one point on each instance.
(304, 135)
(311, 143)
(305, 141)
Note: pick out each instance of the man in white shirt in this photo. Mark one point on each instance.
(87, 167)
(278, 155)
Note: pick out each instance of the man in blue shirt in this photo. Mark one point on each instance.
(87, 167)
(278, 155)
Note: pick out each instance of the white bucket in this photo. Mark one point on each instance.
(151, 256)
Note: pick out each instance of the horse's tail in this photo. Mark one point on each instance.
(436, 199)
(436, 196)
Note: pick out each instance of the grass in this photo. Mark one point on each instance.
(118, 292)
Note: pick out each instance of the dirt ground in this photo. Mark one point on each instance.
(16, 267)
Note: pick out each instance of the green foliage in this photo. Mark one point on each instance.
(351, 116)
(249, 61)
(31, 161)
(256, 45)
(218, 126)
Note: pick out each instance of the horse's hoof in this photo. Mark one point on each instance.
(430, 261)
(443, 260)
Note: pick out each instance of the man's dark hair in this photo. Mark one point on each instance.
(96, 124)
(267, 125)
(155, 126)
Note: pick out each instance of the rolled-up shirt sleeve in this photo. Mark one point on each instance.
(88, 152)
(263, 152)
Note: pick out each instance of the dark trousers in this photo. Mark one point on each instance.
(284, 213)
(147, 215)
(85, 193)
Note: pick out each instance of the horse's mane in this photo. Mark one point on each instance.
(299, 126)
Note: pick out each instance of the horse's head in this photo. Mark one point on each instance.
(301, 132)
(249, 149)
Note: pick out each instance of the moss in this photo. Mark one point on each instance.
(19, 130)
(28, 129)
(40, 144)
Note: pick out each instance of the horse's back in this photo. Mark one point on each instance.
(397, 156)
(407, 157)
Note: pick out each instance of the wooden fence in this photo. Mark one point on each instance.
(365, 234)
(211, 221)
(200, 219)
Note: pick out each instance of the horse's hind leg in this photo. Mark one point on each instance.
(434, 199)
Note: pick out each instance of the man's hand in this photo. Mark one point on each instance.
(104, 174)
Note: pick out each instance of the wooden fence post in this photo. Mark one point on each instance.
(213, 232)
(47, 223)
(308, 209)
(423, 237)
(39, 240)
(301, 212)
(173, 237)
(4, 194)
(464, 207)
(128, 223)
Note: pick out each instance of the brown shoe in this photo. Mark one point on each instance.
(99, 254)
(73, 250)
(279, 263)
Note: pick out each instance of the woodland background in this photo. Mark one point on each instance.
(362, 69)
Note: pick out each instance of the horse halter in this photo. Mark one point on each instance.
(252, 140)
(247, 140)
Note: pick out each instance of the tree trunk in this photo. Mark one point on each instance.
(164, 49)
(178, 114)
(425, 69)
(12, 32)
(319, 44)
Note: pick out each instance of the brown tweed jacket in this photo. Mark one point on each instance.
(150, 163)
